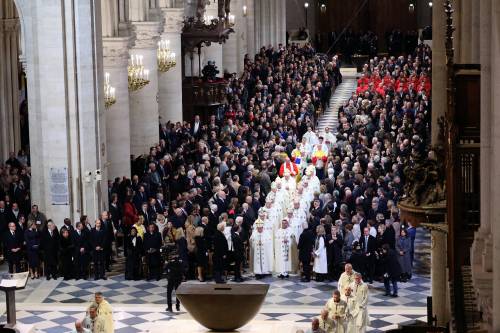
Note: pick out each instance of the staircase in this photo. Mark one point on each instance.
(342, 93)
(470, 313)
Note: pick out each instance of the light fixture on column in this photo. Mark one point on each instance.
(306, 6)
(109, 92)
(430, 4)
(322, 8)
(138, 77)
(245, 10)
(166, 58)
(231, 20)
(411, 7)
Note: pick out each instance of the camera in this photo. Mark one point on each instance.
(87, 176)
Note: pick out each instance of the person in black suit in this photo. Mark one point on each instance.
(239, 252)
(305, 246)
(98, 242)
(175, 269)
(220, 253)
(50, 248)
(108, 227)
(152, 245)
(133, 253)
(368, 245)
(392, 270)
(12, 248)
(144, 212)
(81, 251)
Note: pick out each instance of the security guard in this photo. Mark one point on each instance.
(174, 277)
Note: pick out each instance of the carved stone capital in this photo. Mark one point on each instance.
(147, 34)
(116, 50)
(10, 25)
(172, 19)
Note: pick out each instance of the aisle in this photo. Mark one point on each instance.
(341, 94)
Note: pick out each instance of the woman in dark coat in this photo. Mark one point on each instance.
(182, 249)
(220, 253)
(334, 245)
(66, 252)
(403, 247)
(32, 238)
(201, 253)
(133, 254)
(392, 270)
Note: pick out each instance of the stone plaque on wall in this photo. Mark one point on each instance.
(59, 186)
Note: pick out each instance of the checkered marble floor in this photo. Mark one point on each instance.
(53, 306)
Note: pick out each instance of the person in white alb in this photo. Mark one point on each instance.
(283, 241)
(345, 280)
(360, 294)
(262, 249)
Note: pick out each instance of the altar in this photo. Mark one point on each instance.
(255, 326)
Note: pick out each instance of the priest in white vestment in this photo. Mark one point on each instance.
(337, 308)
(262, 249)
(345, 280)
(320, 260)
(360, 294)
(351, 312)
(289, 182)
(297, 218)
(283, 240)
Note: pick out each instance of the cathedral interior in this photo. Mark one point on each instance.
(178, 114)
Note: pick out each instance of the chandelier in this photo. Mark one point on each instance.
(166, 58)
(109, 92)
(138, 77)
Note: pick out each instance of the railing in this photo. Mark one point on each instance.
(201, 93)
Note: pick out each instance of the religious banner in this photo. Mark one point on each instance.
(59, 186)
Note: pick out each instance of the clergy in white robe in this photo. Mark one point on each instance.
(283, 241)
(345, 280)
(337, 312)
(360, 294)
(351, 312)
(273, 215)
(297, 218)
(325, 322)
(320, 260)
(262, 249)
(330, 139)
(313, 180)
(289, 182)
(310, 137)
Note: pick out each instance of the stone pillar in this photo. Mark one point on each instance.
(214, 51)
(465, 32)
(457, 34)
(495, 159)
(252, 28)
(439, 278)
(10, 127)
(144, 114)
(281, 21)
(116, 54)
(475, 35)
(235, 48)
(66, 116)
(170, 83)
(438, 67)
(478, 255)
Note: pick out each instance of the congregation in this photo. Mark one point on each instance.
(258, 190)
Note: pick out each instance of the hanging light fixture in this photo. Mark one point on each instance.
(138, 76)
(166, 58)
(109, 92)
(322, 8)
(411, 7)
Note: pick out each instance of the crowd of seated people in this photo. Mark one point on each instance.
(203, 174)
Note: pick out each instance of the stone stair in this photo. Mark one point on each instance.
(342, 93)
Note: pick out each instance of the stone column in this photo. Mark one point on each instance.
(170, 83)
(235, 48)
(478, 255)
(456, 35)
(495, 159)
(438, 67)
(439, 278)
(66, 107)
(465, 32)
(10, 127)
(281, 21)
(144, 114)
(475, 35)
(252, 27)
(116, 55)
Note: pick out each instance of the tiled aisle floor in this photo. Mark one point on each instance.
(53, 306)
